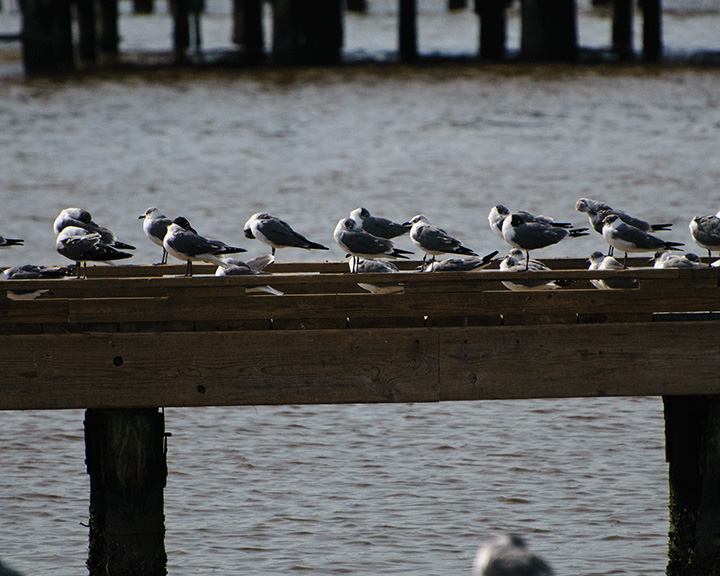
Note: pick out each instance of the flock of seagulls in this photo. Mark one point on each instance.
(369, 241)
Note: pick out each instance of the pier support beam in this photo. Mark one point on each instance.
(248, 28)
(652, 30)
(407, 30)
(493, 28)
(549, 30)
(125, 456)
(622, 28)
(692, 431)
(47, 44)
(307, 32)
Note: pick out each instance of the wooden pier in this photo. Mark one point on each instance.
(312, 33)
(131, 339)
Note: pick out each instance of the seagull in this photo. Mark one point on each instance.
(378, 267)
(627, 238)
(499, 213)
(523, 231)
(81, 218)
(34, 272)
(507, 555)
(433, 240)
(277, 233)
(360, 244)
(705, 230)
(380, 227)
(155, 227)
(237, 267)
(515, 262)
(597, 211)
(7, 242)
(461, 264)
(598, 261)
(189, 246)
(82, 246)
(663, 259)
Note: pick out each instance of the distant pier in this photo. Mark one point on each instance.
(312, 32)
(426, 337)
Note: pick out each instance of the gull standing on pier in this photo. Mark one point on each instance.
(380, 227)
(433, 240)
(277, 233)
(626, 238)
(597, 211)
(82, 247)
(526, 232)
(507, 555)
(189, 246)
(498, 214)
(360, 244)
(81, 218)
(705, 230)
(155, 227)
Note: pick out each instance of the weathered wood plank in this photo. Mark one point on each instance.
(344, 366)
(557, 361)
(218, 368)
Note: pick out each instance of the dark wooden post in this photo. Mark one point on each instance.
(457, 4)
(493, 28)
(143, 6)
(622, 29)
(125, 456)
(248, 28)
(692, 433)
(549, 30)
(407, 30)
(356, 6)
(109, 37)
(87, 24)
(47, 43)
(181, 26)
(307, 32)
(652, 30)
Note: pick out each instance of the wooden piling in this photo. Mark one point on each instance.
(125, 456)
(248, 28)
(181, 26)
(652, 30)
(356, 6)
(692, 431)
(622, 29)
(87, 25)
(549, 30)
(407, 30)
(493, 28)
(307, 32)
(109, 37)
(47, 36)
(143, 6)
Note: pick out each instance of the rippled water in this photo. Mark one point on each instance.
(389, 489)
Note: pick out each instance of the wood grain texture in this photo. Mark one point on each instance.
(112, 370)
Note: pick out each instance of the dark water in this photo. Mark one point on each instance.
(406, 489)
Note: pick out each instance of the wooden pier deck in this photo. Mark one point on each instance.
(130, 339)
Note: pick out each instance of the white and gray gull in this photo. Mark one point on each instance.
(82, 247)
(526, 232)
(155, 225)
(188, 246)
(277, 233)
(598, 261)
(508, 555)
(81, 218)
(705, 230)
(380, 227)
(433, 240)
(499, 213)
(360, 244)
(597, 211)
(627, 238)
